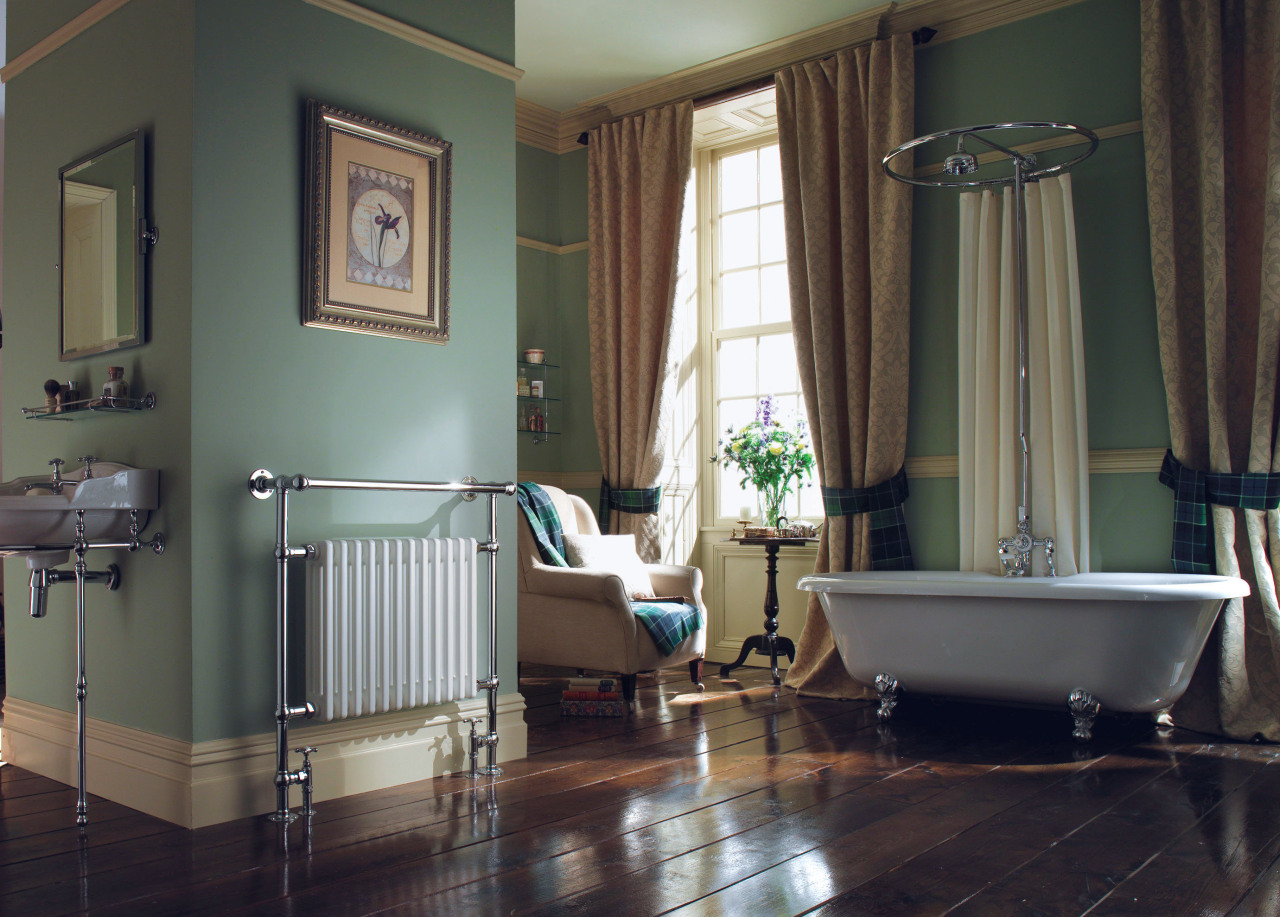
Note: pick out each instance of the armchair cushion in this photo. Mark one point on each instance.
(614, 554)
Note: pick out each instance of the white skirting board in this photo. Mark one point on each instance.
(212, 782)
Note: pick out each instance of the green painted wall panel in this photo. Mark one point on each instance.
(1079, 63)
(131, 71)
(269, 392)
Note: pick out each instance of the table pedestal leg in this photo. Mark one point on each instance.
(769, 643)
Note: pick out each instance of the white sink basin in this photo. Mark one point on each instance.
(38, 518)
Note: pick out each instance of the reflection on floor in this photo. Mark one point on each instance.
(746, 799)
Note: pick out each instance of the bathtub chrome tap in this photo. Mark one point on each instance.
(1015, 553)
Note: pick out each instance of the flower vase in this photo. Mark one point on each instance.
(770, 509)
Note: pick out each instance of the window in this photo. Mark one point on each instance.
(748, 307)
(731, 334)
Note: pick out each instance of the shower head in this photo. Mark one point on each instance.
(960, 162)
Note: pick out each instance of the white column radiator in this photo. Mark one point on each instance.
(391, 624)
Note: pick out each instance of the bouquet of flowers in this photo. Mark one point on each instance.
(770, 455)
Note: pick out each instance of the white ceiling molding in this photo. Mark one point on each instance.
(951, 18)
(419, 37)
(56, 39)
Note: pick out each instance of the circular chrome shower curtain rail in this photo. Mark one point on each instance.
(1031, 174)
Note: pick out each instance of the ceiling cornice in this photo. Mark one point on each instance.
(558, 132)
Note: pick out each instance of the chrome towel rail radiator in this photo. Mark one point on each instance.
(262, 484)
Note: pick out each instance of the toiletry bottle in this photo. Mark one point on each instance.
(115, 387)
(522, 383)
(71, 395)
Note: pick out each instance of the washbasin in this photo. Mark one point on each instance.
(36, 519)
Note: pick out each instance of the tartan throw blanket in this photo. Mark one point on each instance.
(890, 546)
(1194, 491)
(544, 521)
(668, 623)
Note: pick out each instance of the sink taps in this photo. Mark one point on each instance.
(57, 483)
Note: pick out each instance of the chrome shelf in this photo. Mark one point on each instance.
(89, 406)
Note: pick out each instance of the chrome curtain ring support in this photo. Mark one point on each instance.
(974, 132)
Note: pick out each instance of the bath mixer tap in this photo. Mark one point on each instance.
(1015, 553)
(56, 484)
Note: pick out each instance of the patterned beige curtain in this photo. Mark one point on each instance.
(1211, 123)
(848, 231)
(636, 173)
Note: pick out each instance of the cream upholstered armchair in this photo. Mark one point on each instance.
(581, 617)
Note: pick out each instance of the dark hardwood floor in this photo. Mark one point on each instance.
(745, 800)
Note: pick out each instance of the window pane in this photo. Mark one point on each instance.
(738, 181)
(773, 242)
(738, 243)
(740, 299)
(733, 497)
(736, 367)
(735, 412)
(775, 297)
(770, 175)
(778, 367)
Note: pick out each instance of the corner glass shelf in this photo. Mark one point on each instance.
(90, 406)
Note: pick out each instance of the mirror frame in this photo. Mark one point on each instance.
(140, 240)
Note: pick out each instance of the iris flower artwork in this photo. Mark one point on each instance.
(379, 241)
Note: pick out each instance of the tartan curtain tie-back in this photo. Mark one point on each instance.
(1194, 491)
(640, 501)
(890, 546)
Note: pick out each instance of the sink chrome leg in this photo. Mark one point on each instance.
(82, 686)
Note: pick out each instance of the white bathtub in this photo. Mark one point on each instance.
(1131, 640)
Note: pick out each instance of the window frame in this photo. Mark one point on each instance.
(711, 336)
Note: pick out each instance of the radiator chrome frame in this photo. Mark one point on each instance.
(262, 485)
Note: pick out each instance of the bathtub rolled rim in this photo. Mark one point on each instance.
(1132, 587)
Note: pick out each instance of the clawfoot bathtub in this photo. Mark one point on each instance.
(1122, 642)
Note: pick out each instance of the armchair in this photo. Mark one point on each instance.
(581, 618)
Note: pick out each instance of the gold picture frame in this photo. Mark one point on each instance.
(378, 219)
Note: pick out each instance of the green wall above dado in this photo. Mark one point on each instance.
(186, 648)
(1080, 63)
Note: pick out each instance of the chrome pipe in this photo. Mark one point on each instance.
(491, 740)
(302, 482)
(1020, 266)
(82, 684)
(283, 777)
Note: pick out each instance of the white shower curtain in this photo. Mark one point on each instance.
(990, 454)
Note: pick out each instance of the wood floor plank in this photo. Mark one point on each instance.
(746, 799)
(591, 786)
(1084, 867)
(1213, 864)
(974, 790)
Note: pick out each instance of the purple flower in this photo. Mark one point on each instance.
(387, 221)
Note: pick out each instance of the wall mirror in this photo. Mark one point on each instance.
(104, 242)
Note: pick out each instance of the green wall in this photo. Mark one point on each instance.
(133, 70)
(552, 303)
(1080, 64)
(186, 648)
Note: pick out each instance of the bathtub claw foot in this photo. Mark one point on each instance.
(1084, 709)
(887, 689)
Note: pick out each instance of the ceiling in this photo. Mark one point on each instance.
(575, 50)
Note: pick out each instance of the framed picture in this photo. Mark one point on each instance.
(378, 218)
